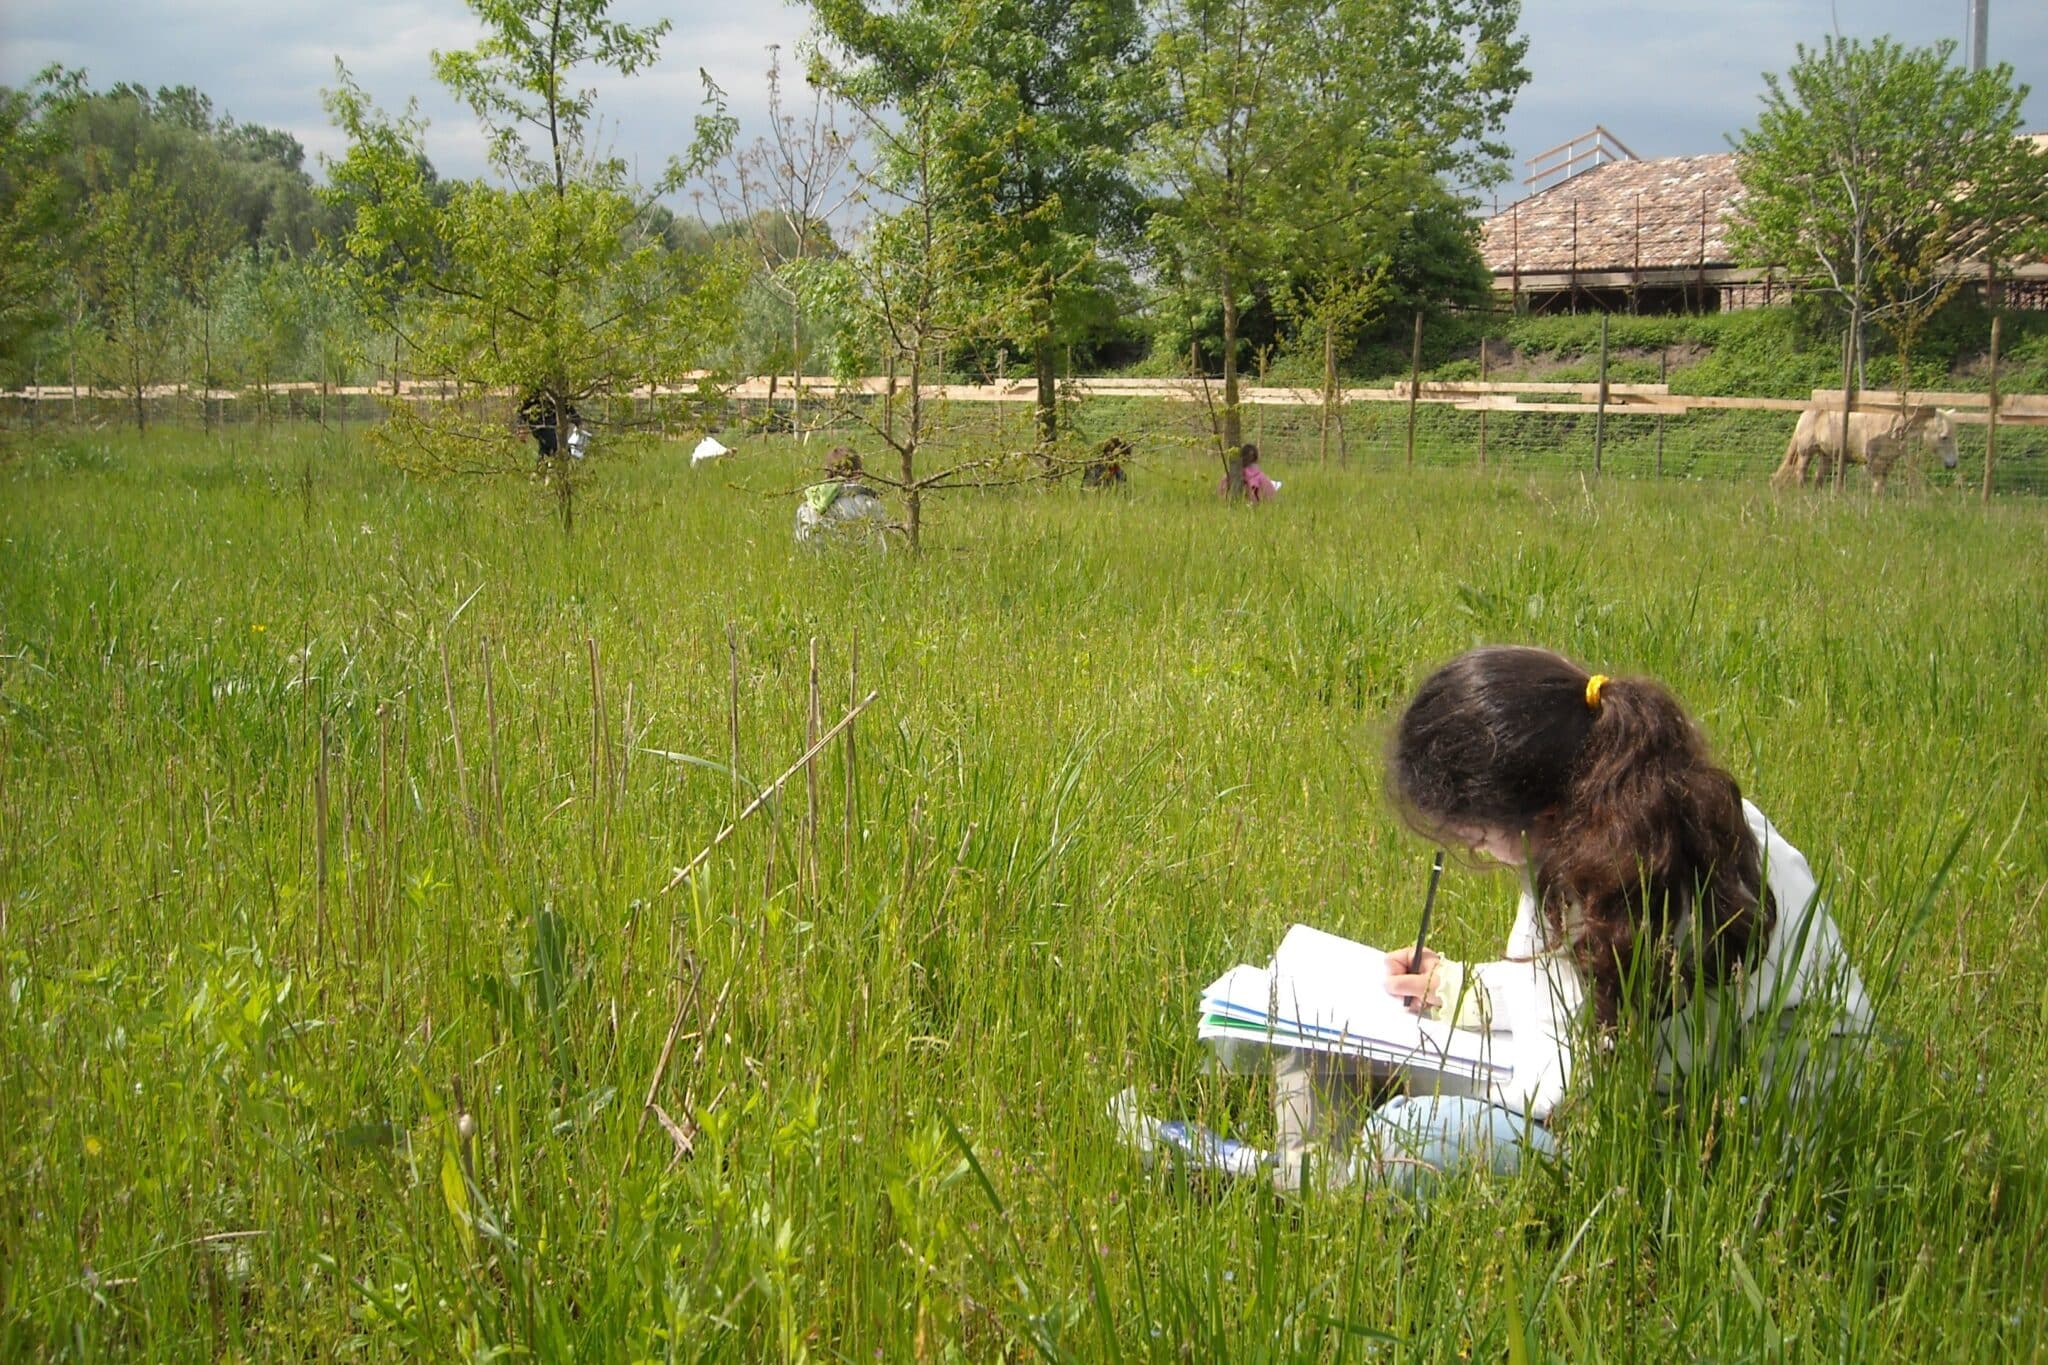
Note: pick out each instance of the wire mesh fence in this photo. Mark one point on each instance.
(1167, 421)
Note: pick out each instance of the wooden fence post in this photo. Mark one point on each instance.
(1600, 402)
(1991, 417)
(1265, 352)
(1848, 401)
(1414, 384)
(1664, 378)
(1482, 411)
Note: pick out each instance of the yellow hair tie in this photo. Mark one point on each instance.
(1593, 686)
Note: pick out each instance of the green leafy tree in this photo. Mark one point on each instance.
(254, 177)
(211, 242)
(1875, 171)
(1329, 311)
(1034, 103)
(35, 246)
(556, 285)
(137, 250)
(264, 320)
(1288, 126)
(336, 337)
(926, 276)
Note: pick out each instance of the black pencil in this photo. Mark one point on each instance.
(1436, 869)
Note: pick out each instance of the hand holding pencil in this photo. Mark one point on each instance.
(1411, 975)
(1417, 988)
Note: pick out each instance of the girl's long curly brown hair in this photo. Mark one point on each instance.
(1645, 869)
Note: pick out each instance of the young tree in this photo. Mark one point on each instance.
(1876, 170)
(780, 195)
(1035, 102)
(1329, 310)
(137, 251)
(1284, 122)
(925, 275)
(34, 245)
(553, 285)
(205, 271)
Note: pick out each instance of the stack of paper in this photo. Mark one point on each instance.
(1328, 994)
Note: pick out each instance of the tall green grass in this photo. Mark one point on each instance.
(396, 1110)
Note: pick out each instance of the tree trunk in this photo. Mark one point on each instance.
(913, 496)
(889, 400)
(796, 378)
(1047, 414)
(1232, 435)
(1991, 416)
(1329, 389)
(1849, 349)
(206, 372)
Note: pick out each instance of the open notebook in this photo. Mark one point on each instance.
(1326, 994)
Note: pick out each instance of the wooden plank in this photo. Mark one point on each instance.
(2005, 419)
(1583, 409)
(1712, 403)
(1940, 398)
(1960, 404)
(1469, 389)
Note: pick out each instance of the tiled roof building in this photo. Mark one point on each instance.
(1650, 236)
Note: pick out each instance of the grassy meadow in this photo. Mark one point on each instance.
(336, 966)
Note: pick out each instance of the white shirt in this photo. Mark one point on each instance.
(1535, 994)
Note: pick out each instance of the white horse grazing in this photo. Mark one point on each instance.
(1876, 441)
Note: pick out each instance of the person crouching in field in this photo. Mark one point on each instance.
(1652, 894)
(841, 502)
(1106, 469)
(537, 413)
(1258, 485)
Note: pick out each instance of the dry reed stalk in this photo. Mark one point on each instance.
(732, 717)
(626, 742)
(497, 786)
(382, 881)
(320, 842)
(852, 695)
(811, 721)
(404, 765)
(767, 792)
(684, 997)
(600, 759)
(455, 731)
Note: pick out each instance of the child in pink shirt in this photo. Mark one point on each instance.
(1257, 486)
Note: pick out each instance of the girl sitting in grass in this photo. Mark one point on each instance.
(1650, 890)
(1651, 894)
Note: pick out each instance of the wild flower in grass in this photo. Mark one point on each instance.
(258, 627)
(93, 1146)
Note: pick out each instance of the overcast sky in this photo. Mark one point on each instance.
(1668, 77)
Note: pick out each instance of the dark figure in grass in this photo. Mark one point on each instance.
(537, 413)
(1106, 470)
